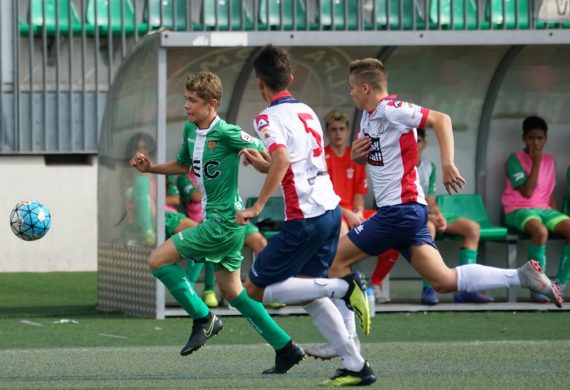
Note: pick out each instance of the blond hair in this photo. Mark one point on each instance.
(334, 116)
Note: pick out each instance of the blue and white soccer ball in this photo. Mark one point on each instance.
(30, 220)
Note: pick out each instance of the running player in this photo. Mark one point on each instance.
(293, 267)
(211, 146)
(387, 143)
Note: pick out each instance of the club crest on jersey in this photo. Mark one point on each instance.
(261, 122)
(246, 137)
(212, 144)
(350, 173)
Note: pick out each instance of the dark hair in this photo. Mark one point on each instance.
(134, 140)
(534, 122)
(421, 133)
(273, 66)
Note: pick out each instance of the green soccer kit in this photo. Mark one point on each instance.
(212, 154)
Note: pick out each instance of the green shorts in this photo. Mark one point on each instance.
(518, 218)
(171, 221)
(450, 218)
(213, 242)
(250, 229)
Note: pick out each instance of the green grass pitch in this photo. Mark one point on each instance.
(40, 349)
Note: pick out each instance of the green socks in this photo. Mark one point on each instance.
(176, 281)
(467, 256)
(426, 284)
(260, 320)
(193, 270)
(564, 268)
(538, 253)
(209, 277)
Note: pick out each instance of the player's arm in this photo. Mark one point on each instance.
(143, 164)
(277, 169)
(441, 123)
(259, 160)
(527, 188)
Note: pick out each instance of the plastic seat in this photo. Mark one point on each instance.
(67, 24)
(272, 9)
(272, 216)
(462, 18)
(339, 15)
(116, 22)
(471, 206)
(23, 27)
(238, 18)
(388, 15)
(512, 16)
(172, 19)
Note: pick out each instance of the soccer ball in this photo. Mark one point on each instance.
(30, 220)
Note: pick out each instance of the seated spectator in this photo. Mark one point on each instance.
(528, 202)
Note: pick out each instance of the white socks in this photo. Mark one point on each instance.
(300, 290)
(328, 320)
(476, 277)
(347, 316)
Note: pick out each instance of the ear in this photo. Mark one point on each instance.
(260, 83)
(291, 79)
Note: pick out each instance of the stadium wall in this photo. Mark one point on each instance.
(70, 193)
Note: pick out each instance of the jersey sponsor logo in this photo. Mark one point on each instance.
(395, 103)
(212, 145)
(261, 122)
(209, 169)
(518, 176)
(246, 137)
(375, 156)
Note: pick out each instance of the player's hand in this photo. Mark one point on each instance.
(255, 158)
(536, 155)
(440, 223)
(360, 149)
(243, 216)
(140, 162)
(452, 179)
(353, 219)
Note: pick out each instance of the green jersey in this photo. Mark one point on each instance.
(213, 155)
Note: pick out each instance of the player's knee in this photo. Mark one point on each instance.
(538, 233)
(472, 230)
(154, 260)
(253, 291)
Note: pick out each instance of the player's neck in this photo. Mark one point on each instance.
(339, 150)
(375, 100)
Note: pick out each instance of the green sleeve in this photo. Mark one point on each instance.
(431, 184)
(172, 189)
(238, 139)
(188, 135)
(141, 202)
(185, 187)
(515, 172)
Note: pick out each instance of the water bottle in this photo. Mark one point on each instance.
(371, 301)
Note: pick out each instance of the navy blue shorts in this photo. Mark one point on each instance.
(303, 247)
(393, 227)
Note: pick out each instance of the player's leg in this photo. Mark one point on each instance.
(254, 239)
(561, 226)
(288, 353)
(163, 265)
(536, 249)
(384, 264)
(470, 231)
(209, 294)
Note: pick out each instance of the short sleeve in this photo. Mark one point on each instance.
(407, 115)
(269, 131)
(515, 172)
(237, 139)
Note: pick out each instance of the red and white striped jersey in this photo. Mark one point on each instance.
(307, 188)
(392, 160)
